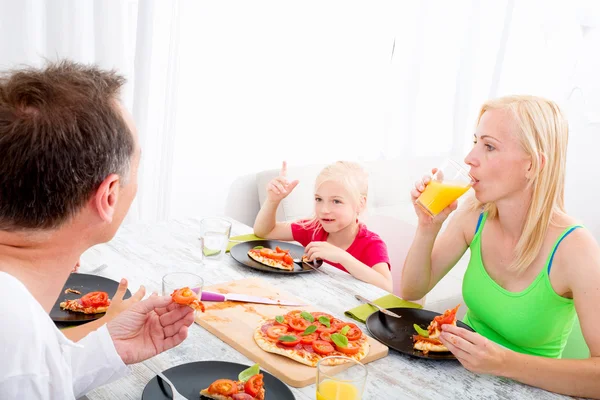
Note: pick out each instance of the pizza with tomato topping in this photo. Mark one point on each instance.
(249, 386)
(427, 341)
(278, 258)
(308, 337)
(187, 297)
(91, 303)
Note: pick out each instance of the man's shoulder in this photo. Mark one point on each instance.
(20, 313)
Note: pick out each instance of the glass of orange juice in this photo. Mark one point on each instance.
(449, 183)
(340, 382)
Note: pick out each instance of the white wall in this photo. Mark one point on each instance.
(316, 82)
(553, 52)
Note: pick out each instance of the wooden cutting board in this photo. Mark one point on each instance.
(235, 322)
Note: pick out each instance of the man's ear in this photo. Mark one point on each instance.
(105, 198)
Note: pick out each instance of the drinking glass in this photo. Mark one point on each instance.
(449, 183)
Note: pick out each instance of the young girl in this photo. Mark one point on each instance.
(334, 234)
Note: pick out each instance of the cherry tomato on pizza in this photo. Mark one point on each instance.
(226, 387)
(322, 347)
(254, 384)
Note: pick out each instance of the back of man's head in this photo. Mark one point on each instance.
(61, 134)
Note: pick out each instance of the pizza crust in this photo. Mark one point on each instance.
(269, 346)
(270, 262)
(426, 346)
(214, 396)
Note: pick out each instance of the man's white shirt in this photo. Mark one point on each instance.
(38, 362)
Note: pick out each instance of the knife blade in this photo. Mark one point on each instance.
(210, 296)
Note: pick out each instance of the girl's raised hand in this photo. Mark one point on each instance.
(279, 188)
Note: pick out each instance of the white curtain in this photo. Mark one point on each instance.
(223, 89)
(316, 81)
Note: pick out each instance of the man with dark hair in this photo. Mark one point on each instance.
(68, 174)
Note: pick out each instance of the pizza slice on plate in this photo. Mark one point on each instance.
(278, 258)
(91, 303)
(428, 340)
(248, 386)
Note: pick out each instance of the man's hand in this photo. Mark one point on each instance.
(149, 327)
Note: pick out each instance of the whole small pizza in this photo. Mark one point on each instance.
(278, 258)
(307, 337)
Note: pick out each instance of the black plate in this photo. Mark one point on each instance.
(240, 253)
(190, 379)
(396, 333)
(85, 283)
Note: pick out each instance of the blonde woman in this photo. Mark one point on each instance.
(532, 267)
(335, 233)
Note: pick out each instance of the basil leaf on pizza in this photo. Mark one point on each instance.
(325, 321)
(280, 319)
(287, 338)
(345, 330)
(339, 340)
(307, 316)
(421, 331)
(249, 373)
(309, 330)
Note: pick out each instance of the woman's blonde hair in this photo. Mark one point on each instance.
(543, 132)
(351, 175)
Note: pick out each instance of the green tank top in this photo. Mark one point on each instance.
(535, 321)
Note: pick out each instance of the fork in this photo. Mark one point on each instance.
(310, 264)
(175, 395)
(383, 310)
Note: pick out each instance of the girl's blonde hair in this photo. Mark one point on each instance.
(543, 134)
(351, 175)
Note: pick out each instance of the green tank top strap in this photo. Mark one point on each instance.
(560, 239)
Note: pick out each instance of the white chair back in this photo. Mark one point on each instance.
(398, 236)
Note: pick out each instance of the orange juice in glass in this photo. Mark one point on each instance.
(347, 384)
(449, 183)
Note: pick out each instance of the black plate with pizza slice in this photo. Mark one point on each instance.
(82, 283)
(397, 333)
(240, 252)
(189, 379)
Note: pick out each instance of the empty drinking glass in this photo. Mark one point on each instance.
(214, 236)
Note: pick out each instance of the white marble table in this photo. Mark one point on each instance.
(143, 253)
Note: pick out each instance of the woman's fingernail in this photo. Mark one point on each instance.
(123, 281)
